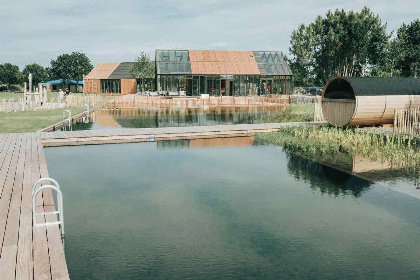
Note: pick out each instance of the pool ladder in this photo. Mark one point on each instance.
(54, 186)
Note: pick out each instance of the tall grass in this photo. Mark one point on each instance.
(293, 113)
(396, 149)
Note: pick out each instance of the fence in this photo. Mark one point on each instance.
(306, 99)
(78, 100)
(407, 121)
(133, 101)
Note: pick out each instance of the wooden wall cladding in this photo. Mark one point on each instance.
(128, 86)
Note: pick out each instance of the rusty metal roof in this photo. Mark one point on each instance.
(223, 62)
(202, 62)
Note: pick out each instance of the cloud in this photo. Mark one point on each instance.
(112, 31)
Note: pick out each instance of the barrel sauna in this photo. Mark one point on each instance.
(353, 101)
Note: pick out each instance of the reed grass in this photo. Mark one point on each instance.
(397, 149)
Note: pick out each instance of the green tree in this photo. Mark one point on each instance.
(70, 67)
(143, 68)
(343, 43)
(10, 74)
(39, 74)
(406, 49)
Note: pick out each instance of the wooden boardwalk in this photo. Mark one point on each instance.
(113, 136)
(28, 252)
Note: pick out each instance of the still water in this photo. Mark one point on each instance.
(170, 117)
(228, 209)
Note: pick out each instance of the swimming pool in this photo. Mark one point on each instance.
(205, 210)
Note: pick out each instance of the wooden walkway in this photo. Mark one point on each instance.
(28, 252)
(114, 136)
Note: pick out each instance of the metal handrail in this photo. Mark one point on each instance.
(87, 109)
(51, 180)
(64, 115)
(55, 187)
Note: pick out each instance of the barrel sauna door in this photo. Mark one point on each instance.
(338, 112)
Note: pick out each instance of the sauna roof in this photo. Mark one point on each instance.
(216, 62)
(384, 86)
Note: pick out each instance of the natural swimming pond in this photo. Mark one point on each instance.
(237, 209)
(170, 117)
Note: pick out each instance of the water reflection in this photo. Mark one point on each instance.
(322, 178)
(336, 175)
(171, 117)
(245, 141)
(325, 179)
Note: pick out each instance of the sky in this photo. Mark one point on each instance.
(116, 31)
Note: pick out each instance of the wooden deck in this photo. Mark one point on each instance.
(114, 136)
(28, 252)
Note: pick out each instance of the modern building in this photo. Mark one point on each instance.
(111, 78)
(199, 72)
(224, 73)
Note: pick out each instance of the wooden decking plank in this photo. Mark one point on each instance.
(10, 241)
(3, 154)
(7, 191)
(42, 267)
(58, 263)
(24, 263)
(3, 141)
(4, 168)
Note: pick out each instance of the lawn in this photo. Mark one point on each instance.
(29, 121)
(293, 113)
(10, 95)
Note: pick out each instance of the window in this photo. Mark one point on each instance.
(111, 86)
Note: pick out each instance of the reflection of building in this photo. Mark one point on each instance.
(246, 141)
(195, 72)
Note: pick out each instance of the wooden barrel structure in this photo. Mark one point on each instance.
(354, 101)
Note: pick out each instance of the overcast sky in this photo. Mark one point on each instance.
(115, 31)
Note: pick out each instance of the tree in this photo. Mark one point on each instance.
(406, 48)
(10, 74)
(143, 68)
(343, 43)
(70, 67)
(39, 74)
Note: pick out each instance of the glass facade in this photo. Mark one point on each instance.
(146, 84)
(111, 86)
(172, 62)
(225, 85)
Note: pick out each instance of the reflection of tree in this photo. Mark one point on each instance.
(325, 179)
(82, 126)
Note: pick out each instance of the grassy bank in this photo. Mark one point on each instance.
(10, 95)
(330, 140)
(293, 113)
(29, 121)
